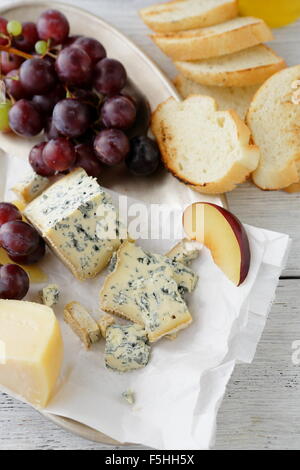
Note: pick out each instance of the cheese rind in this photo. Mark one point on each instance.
(126, 348)
(146, 288)
(32, 349)
(31, 187)
(82, 323)
(78, 219)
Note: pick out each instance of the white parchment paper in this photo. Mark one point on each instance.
(178, 394)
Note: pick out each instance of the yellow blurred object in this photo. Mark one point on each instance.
(36, 275)
(275, 12)
(20, 205)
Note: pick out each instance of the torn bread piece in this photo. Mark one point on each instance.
(219, 159)
(31, 187)
(50, 295)
(225, 38)
(82, 323)
(104, 322)
(78, 220)
(185, 251)
(126, 348)
(178, 15)
(147, 289)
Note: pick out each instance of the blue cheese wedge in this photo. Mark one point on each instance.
(79, 221)
(50, 295)
(31, 187)
(185, 252)
(146, 288)
(126, 348)
(82, 323)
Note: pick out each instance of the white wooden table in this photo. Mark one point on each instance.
(261, 408)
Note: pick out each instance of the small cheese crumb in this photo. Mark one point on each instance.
(50, 295)
(129, 396)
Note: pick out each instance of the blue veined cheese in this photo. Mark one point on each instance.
(185, 251)
(79, 221)
(126, 348)
(144, 288)
(50, 295)
(82, 323)
(31, 187)
(129, 396)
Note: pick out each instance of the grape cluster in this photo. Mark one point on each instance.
(23, 245)
(67, 87)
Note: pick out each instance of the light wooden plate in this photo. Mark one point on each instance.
(146, 76)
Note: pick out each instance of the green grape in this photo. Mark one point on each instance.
(41, 47)
(4, 120)
(14, 28)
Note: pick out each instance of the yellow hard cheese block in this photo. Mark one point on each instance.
(31, 350)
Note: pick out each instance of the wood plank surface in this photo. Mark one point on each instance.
(261, 407)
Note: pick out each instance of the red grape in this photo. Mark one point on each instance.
(50, 130)
(9, 212)
(37, 76)
(70, 40)
(18, 237)
(92, 47)
(25, 119)
(37, 162)
(3, 23)
(14, 282)
(33, 257)
(46, 103)
(9, 62)
(52, 24)
(111, 146)
(29, 36)
(144, 156)
(14, 86)
(110, 76)
(59, 154)
(119, 112)
(87, 160)
(74, 67)
(71, 117)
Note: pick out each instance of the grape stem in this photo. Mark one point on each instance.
(12, 50)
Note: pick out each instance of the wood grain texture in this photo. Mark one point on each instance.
(261, 409)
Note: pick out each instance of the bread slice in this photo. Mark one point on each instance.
(249, 67)
(205, 148)
(274, 119)
(225, 38)
(179, 15)
(236, 98)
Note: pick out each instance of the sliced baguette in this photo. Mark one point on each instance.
(244, 68)
(205, 148)
(236, 98)
(274, 119)
(179, 15)
(225, 38)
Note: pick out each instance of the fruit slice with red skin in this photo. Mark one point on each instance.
(221, 232)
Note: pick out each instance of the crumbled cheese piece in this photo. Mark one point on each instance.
(126, 348)
(81, 322)
(50, 295)
(129, 396)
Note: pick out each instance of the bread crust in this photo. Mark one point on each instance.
(237, 174)
(286, 178)
(239, 78)
(214, 16)
(197, 47)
